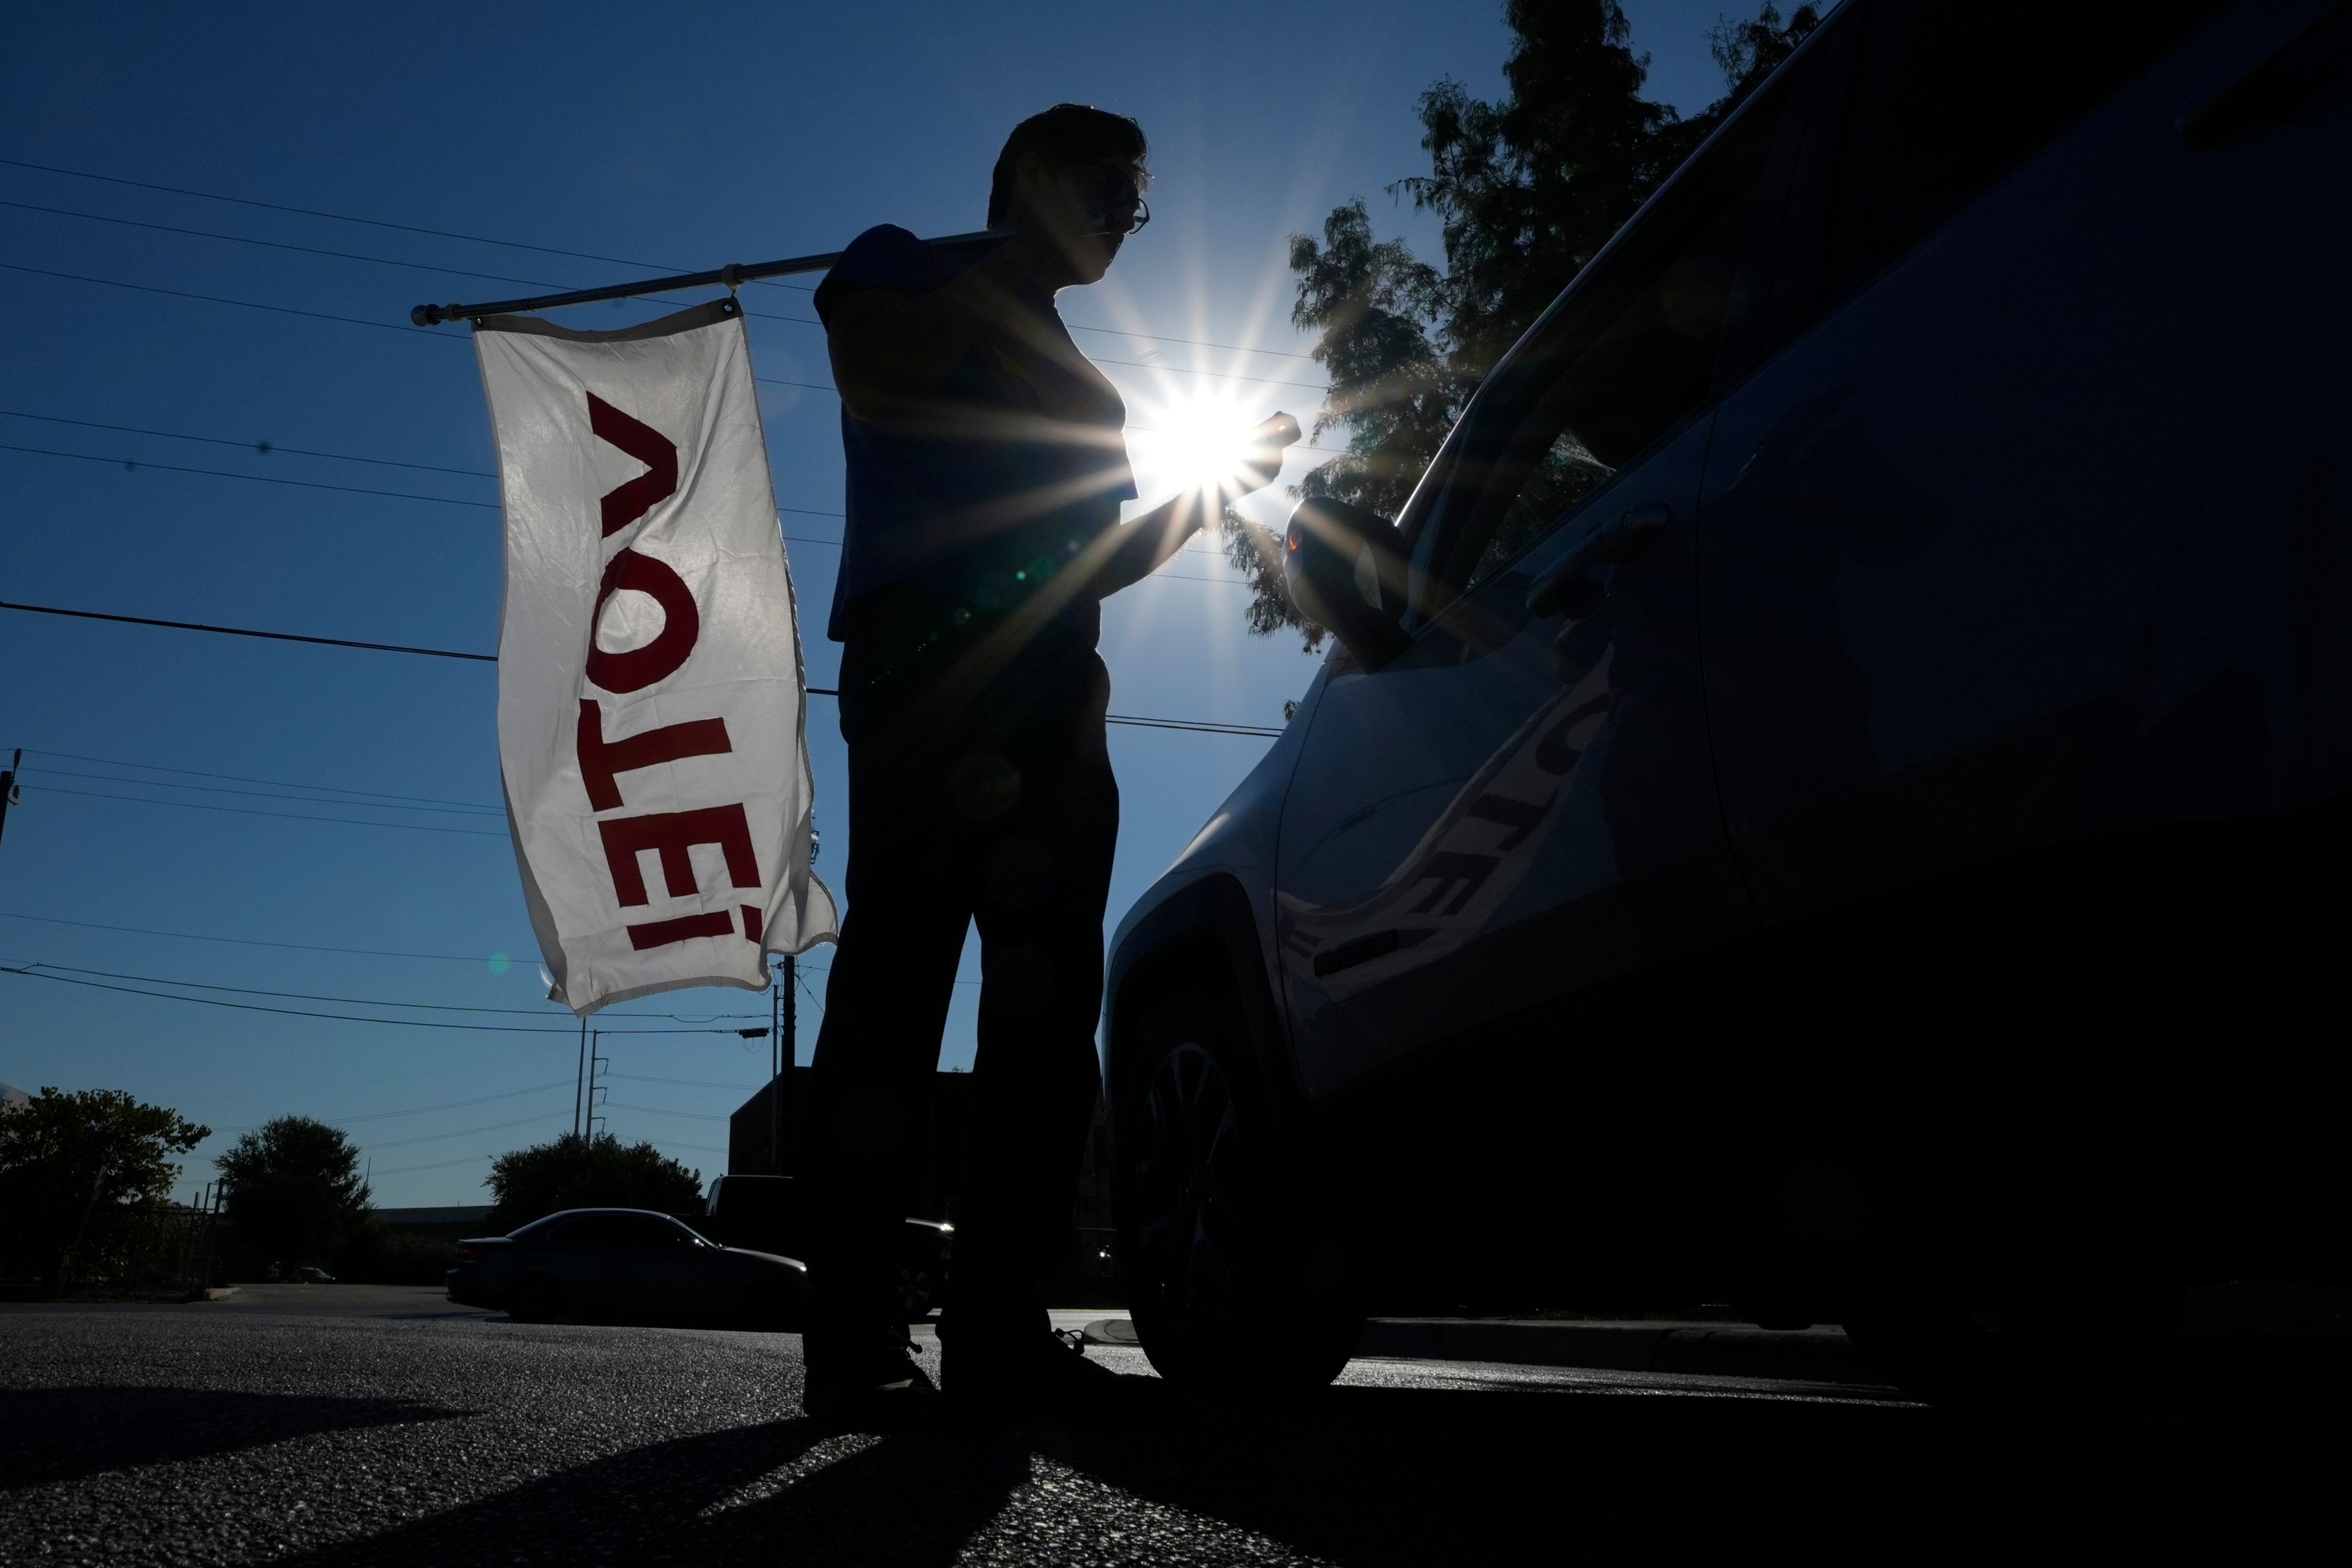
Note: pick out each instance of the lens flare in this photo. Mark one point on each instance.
(1191, 444)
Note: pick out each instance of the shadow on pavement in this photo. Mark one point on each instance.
(62, 1434)
(914, 1499)
(1366, 1475)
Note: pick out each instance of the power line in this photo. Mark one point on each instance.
(222, 300)
(450, 1105)
(264, 795)
(248, 632)
(314, 212)
(242, 778)
(350, 953)
(130, 465)
(1202, 726)
(133, 464)
(510, 243)
(688, 1082)
(341, 1018)
(469, 1132)
(440, 1164)
(656, 1110)
(267, 448)
(423, 332)
(279, 245)
(340, 255)
(287, 815)
(357, 1001)
(1132, 363)
(264, 447)
(547, 283)
(249, 941)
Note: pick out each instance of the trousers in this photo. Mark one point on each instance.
(980, 791)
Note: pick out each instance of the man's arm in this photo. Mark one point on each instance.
(892, 351)
(1136, 550)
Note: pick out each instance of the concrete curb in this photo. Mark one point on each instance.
(1716, 1349)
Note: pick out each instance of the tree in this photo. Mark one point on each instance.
(577, 1171)
(81, 1173)
(1527, 190)
(294, 1191)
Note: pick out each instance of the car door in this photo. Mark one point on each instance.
(1482, 834)
(2021, 575)
(584, 1254)
(669, 1275)
(1969, 541)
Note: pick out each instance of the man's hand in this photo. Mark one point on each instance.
(1133, 550)
(1262, 461)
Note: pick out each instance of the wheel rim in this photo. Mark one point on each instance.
(1189, 1179)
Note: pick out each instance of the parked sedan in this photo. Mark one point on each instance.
(630, 1266)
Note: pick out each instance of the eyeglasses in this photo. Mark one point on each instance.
(1114, 181)
(1135, 224)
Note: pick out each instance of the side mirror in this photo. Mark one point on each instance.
(1341, 566)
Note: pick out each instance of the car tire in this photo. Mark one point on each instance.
(535, 1298)
(1228, 1283)
(2049, 1348)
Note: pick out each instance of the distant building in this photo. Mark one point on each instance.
(12, 1096)
(451, 1221)
(430, 1218)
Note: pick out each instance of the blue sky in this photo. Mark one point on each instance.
(684, 136)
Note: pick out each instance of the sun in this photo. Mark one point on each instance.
(1189, 443)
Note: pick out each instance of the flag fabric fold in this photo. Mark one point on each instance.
(652, 704)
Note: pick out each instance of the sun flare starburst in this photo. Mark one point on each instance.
(1191, 443)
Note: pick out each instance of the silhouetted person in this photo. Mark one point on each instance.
(986, 465)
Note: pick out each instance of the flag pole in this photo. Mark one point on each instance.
(732, 275)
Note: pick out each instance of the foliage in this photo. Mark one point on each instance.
(576, 1172)
(1528, 191)
(294, 1191)
(83, 1178)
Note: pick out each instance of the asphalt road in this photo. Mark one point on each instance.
(334, 1425)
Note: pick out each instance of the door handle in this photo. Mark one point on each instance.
(1566, 588)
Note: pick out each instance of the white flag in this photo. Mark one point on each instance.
(652, 707)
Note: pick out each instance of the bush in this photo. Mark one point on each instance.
(294, 1191)
(84, 1179)
(575, 1171)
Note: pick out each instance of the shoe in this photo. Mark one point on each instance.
(879, 1386)
(1035, 1373)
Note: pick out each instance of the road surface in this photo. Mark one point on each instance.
(344, 1425)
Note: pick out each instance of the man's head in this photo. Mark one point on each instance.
(1077, 174)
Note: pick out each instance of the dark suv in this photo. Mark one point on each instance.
(1832, 795)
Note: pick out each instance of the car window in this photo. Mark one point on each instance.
(1630, 356)
(1940, 100)
(587, 1230)
(648, 1230)
(634, 1230)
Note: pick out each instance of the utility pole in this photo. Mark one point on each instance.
(580, 1089)
(8, 787)
(788, 1052)
(775, 1071)
(596, 1040)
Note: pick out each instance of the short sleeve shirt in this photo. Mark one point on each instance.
(993, 495)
